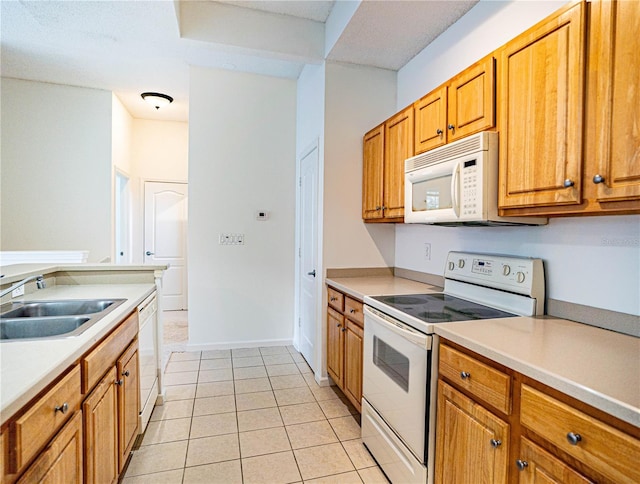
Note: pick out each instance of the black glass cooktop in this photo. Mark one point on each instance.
(440, 308)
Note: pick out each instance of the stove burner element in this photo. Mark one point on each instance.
(401, 300)
(434, 316)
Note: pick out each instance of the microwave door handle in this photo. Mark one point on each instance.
(455, 190)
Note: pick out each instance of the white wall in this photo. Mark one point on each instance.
(241, 159)
(593, 260)
(56, 168)
(356, 99)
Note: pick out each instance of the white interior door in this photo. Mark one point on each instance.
(165, 238)
(309, 272)
(122, 219)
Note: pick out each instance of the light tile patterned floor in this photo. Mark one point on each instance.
(250, 415)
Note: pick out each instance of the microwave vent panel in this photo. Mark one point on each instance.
(466, 146)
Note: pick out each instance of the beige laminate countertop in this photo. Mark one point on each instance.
(359, 287)
(27, 367)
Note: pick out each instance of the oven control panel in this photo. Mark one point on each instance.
(521, 275)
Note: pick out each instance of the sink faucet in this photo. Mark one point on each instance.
(40, 284)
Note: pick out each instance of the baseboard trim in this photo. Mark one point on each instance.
(230, 345)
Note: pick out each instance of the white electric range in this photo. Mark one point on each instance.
(400, 352)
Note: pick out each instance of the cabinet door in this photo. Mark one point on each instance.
(128, 401)
(398, 146)
(541, 113)
(61, 460)
(353, 363)
(537, 466)
(431, 120)
(100, 412)
(471, 106)
(617, 123)
(373, 173)
(472, 445)
(335, 346)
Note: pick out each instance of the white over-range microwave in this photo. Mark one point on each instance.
(457, 184)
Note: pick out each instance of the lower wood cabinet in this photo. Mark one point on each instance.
(539, 436)
(61, 460)
(472, 444)
(345, 331)
(100, 411)
(82, 427)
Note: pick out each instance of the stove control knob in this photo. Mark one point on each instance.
(520, 277)
(452, 266)
(506, 270)
(460, 263)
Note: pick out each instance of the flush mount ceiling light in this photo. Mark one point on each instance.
(157, 99)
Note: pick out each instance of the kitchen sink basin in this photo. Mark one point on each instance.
(72, 307)
(21, 328)
(52, 319)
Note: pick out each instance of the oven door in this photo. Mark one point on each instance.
(396, 365)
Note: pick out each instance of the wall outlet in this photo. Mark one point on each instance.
(18, 292)
(427, 251)
(231, 239)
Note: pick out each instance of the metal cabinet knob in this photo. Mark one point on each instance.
(439, 132)
(598, 179)
(522, 464)
(496, 443)
(568, 183)
(574, 439)
(126, 373)
(465, 374)
(352, 311)
(333, 298)
(63, 409)
(119, 382)
(378, 208)
(343, 329)
(338, 325)
(451, 127)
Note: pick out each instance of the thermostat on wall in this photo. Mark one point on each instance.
(262, 215)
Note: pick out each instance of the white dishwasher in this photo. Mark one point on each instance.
(148, 354)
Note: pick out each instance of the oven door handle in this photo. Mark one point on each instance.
(415, 337)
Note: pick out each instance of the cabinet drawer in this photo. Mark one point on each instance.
(483, 381)
(336, 299)
(32, 430)
(103, 356)
(353, 310)
(598, 445)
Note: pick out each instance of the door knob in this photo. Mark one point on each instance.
(149, 252)
(312, 273)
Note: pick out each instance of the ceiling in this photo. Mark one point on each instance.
(131, 46)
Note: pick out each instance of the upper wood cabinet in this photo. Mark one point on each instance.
(384, 150)
(373, 173)
(614, 128)
(569, 92)
(541, 111)
(398, 146)
(463, 106)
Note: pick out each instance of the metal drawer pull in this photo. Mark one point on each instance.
(334, 299)
(522, 464)
(63, 409)
(352, 311)
(120, 382)
(465, 374)
(598, 179)
(496, 443)
(126, 373)
(574, 439)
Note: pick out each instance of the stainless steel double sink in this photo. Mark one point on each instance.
(52, 319)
